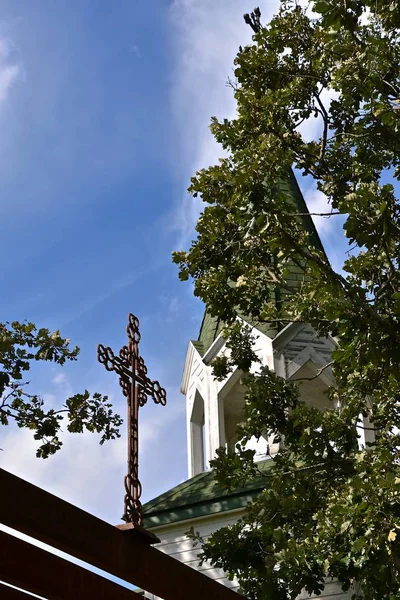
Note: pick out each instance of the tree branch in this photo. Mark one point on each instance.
(321, 370)
(310, 214)
(325, 118)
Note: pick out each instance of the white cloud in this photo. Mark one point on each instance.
(85, 473)
(62, 385)
(59, 379)
(207, 36)
(134, 49)
(330, 228)
(312, 128)
(171, 306)
(9, 72)
(317, 202)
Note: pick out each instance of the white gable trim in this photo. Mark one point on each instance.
(214, 349)
(187, 370)
(225, 386)
(309, 354)
(285, 335)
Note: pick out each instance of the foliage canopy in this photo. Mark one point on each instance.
(329, 508)
(22, 344)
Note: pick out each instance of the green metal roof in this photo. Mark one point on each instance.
(291, 187)
(199, 496)
(199, 345)
(211, 327)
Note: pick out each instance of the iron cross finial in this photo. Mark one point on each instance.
(136, 387)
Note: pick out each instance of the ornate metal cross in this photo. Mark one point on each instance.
(136, 387)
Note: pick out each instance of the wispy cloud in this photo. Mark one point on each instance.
(330, 228)
(116, 285)
(87, 474)
(171, 305)
(207, 36)
(318, 203)
(9, 70)
(60, 379)
(83, 472)
(311, 129)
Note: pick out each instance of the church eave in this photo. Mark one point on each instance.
(202, 509)
(199, 496)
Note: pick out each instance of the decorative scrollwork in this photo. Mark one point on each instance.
(159, 393)
(126, 386)
(106, 357)
(125, 355)
(142, 397)
(132, 329)
(133, 507)
(141, 368)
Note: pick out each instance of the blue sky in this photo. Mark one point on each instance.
(104, 112)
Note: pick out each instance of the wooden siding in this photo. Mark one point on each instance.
(175, 543)
(332, 591)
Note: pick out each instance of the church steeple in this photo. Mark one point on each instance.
(211, 326)
(214, 408)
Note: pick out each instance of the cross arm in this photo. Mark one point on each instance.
(111, 362)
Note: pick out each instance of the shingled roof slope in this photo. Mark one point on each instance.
(199, 496)
(211, 326)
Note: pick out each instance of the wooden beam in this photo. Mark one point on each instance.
(9, 593)
(50, 576)
(45, 517)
